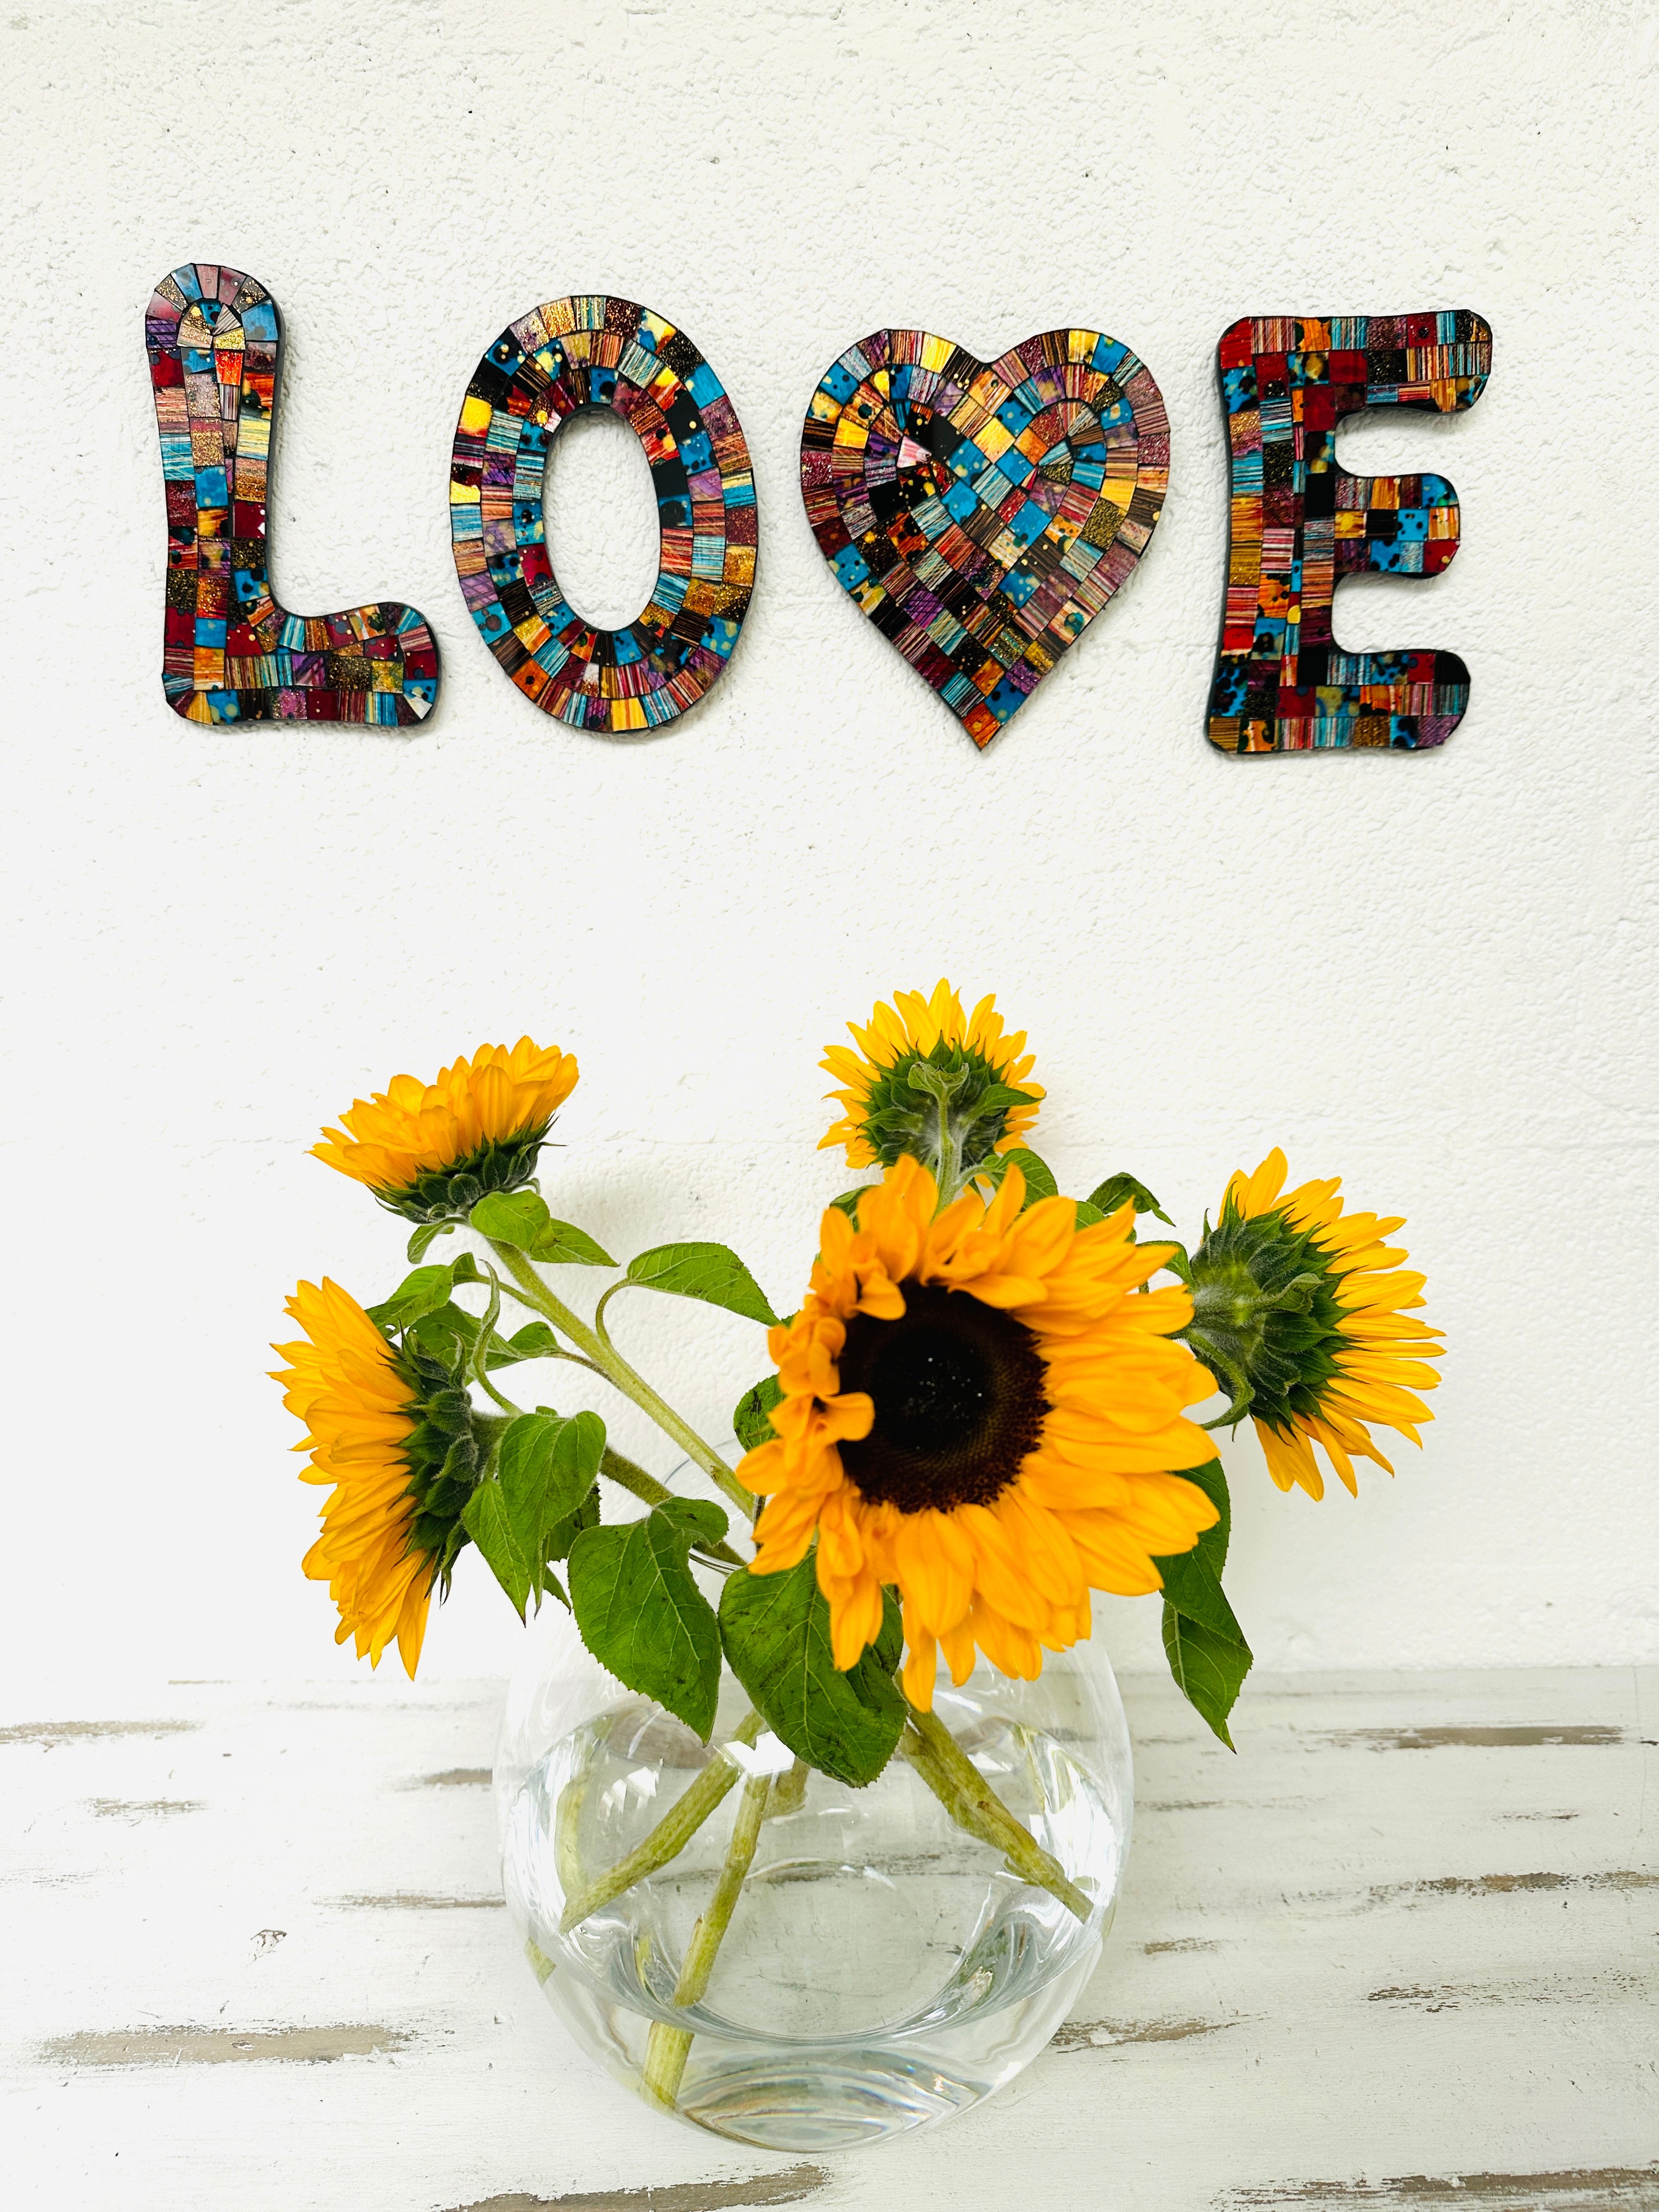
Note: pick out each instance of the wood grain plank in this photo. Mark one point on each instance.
(791, 2187)
(1400, 1951)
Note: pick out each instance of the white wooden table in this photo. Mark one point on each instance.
(1400, 1952)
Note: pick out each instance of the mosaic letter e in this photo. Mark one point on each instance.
(1301, 523)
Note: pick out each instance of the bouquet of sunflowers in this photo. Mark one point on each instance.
(980, 1411)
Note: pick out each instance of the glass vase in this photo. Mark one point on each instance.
(785, 1960)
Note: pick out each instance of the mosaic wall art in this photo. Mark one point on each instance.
(1301, 523)
(593, 351)
(981, 514)
(231, 653)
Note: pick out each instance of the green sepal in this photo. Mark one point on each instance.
(848, 1202)
(446, 1452)
(1265, 1321)
(448, 1194)
(448, 1410)
(641, 1614)
(902, 1108)
(751, 1418)
(1208, 1656)
(712, 1273)
(1117, 1189)
(776, 1629)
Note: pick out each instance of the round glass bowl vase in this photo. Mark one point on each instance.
(876, 1965)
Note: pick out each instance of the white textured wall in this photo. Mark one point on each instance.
(1430, 974)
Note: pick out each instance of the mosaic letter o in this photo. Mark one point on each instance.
(593, 351)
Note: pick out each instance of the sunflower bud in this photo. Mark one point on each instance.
(933, 1085)
(430, 1151)
(1264, 1314)
(392, 1431)
(1300, 1311)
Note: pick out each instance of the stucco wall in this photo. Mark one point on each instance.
(1430, 974)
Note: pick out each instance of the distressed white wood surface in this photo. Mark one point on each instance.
(1400, 1952)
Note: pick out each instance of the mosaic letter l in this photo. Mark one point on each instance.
(231, 653)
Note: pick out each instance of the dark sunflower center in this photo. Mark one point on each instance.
(959, 1401)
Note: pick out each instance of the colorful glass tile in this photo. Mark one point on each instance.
(981, 514)
(1301, 523)
(230, 652)
(593, 351)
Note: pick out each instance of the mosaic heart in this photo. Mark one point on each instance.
(982, 515)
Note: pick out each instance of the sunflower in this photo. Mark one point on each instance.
(976, 1409)
(1305, 1310)
(430, 1151)
(389, 1429)
(886, 1115)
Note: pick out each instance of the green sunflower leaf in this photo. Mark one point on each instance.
(425, 1292)
(712, 1273)
(1209, 1670)
(1206, 1646)
(486, 1520)
(562, 1244)
(1192, 1580)
(640, 1612)
(752, 1421)
(520, 1218)
(547, 1468)
(889, 1647)
(511, 1217)
(1112, 1194)
(1088, 1213)
(450, 1332)
(420, 1242)
(538, 1501)
(535, 1341)
(776, 1629)
(1039, 1176)
(847, 1203)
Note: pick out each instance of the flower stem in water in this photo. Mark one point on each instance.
(972, 1803)
(667, 2048)
(671, 1833)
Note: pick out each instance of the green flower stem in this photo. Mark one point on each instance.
(972, 1803)
(618, 1372)
(667, 2048)
(635, 1480)
(942, 1088)
(567, 1817)
(788, 1792)
(671, 1833)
